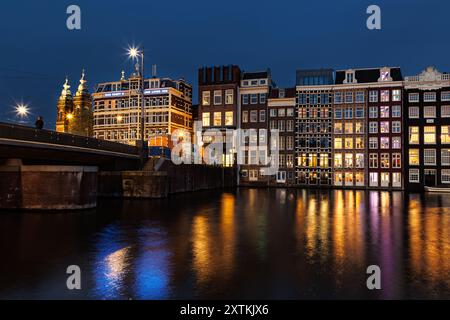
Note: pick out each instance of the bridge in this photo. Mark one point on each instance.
(43, 169)
(44, 147)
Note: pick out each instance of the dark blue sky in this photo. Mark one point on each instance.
(37, 50)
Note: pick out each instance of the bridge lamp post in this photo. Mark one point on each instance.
(22, 110)
(135, 54)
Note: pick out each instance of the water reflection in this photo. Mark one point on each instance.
(248, 243)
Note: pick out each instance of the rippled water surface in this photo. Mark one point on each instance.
(245, 243)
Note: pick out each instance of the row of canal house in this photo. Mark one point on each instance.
(355, 128)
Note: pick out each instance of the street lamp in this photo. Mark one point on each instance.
(22, 110)
(135, 53)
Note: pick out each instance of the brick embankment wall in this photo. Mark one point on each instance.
(48, 187)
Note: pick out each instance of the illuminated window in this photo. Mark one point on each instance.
(348, 143)
(429, 157)
(302, 160)
(445, 134)
(229, 118)
(414, 157)
(349, 128)
(338, 160)
(384, 112)
(229, 96)
(348, 178)
(429, 96)
(245, 116)
(396, 160)
(338, 128)
(373, 143)
(273, 113)
(338, 143)
(206, 98)
(414, 175)
(349, 160)
(359, 143)
(384, 127)
(373, 96)
(396, 95)
(324, 160)
(359, 178)
(414, 135)
(384, 178)
(445, 157)
(312, 160)
(217, 119)
(373, 160)
(206, 119)
(290, 160)
(385, 95)
(413, 97)
(359, 127)
(373, 176)
(217, 97)
(281, 112)
(384, 143)
(359, 160)
(396, 142)
(384, 160)
(290, 112)
(281, 126)
(262, 136)
(429, 135)
(429, 112)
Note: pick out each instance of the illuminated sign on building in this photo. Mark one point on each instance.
(114, 94)
(156, 91)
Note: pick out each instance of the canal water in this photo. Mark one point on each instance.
(234, 244)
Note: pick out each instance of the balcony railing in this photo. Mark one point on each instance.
(23, 133)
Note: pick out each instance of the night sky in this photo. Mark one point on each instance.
(38, 51)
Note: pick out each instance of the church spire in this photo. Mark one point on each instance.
(66, 89)
(82, 89)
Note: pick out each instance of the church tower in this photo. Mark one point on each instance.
(82, 123)
(64, 109)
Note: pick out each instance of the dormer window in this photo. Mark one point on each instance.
(281, 94)
(350, 76)
(262, 82)
(385, 75)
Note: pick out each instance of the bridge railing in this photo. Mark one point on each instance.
(19, 132)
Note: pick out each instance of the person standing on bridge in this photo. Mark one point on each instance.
(39, 123)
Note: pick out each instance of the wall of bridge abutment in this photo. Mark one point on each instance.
(47, 187)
